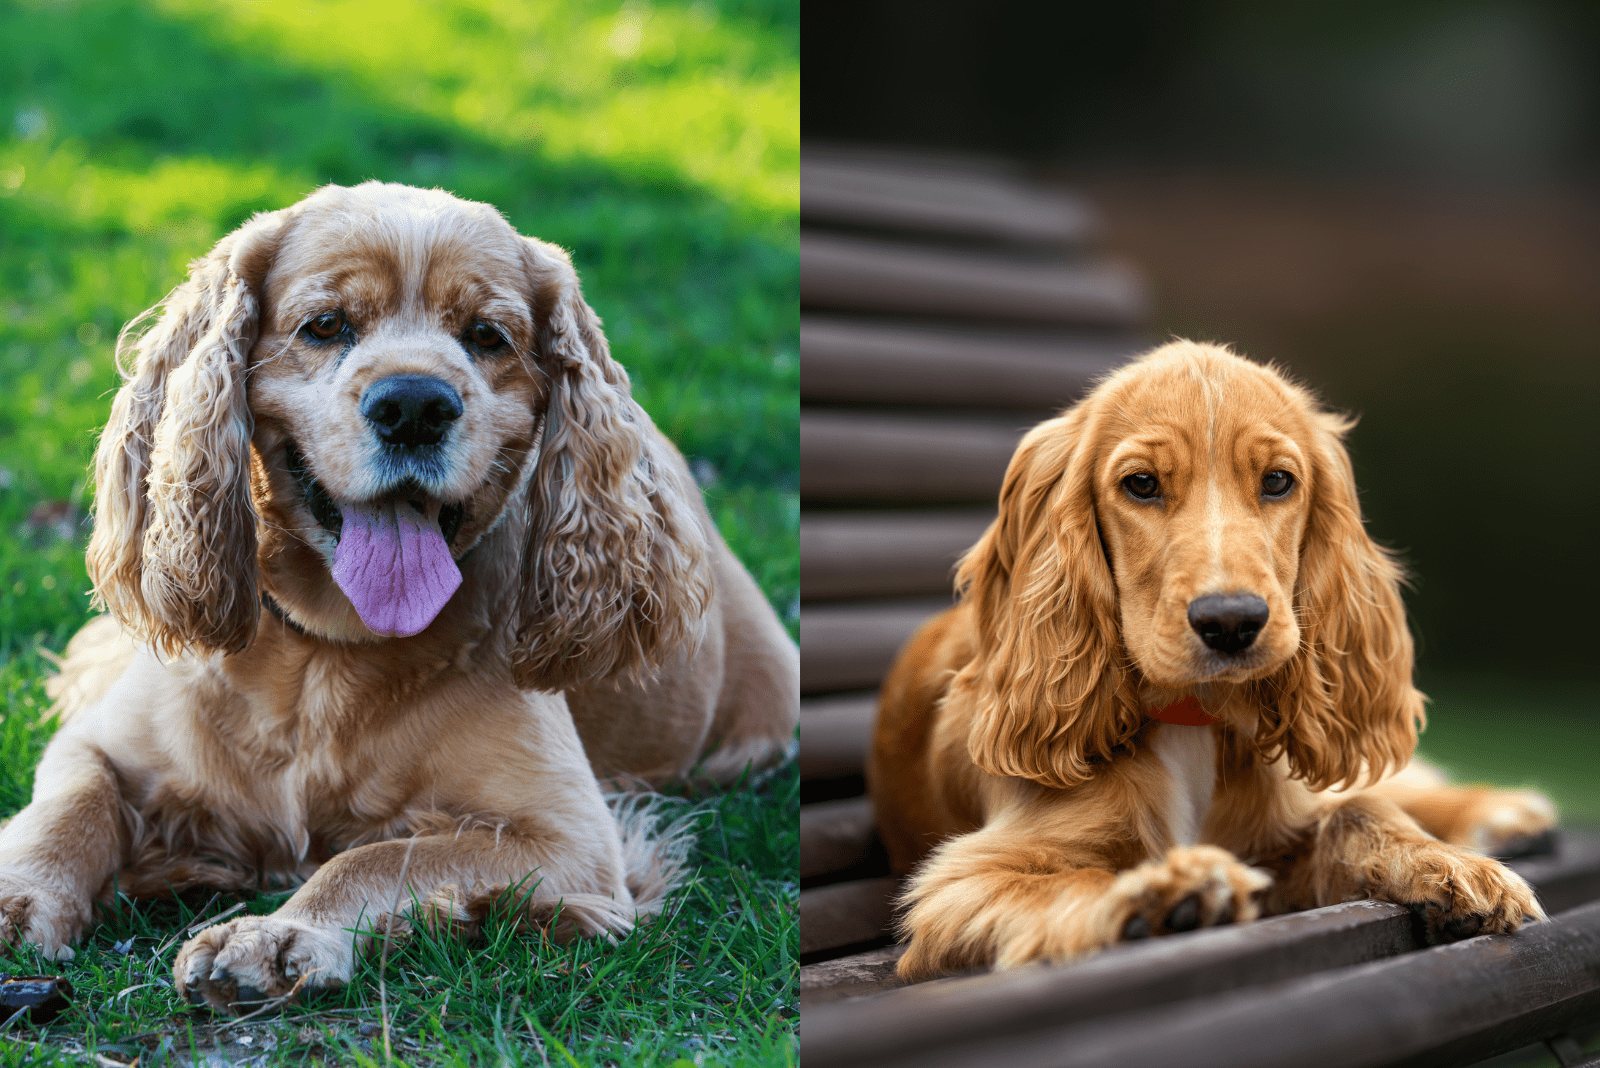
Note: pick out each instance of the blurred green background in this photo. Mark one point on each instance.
(658, 142)
(1394, 199)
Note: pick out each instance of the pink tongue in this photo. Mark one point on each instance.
(394, 565)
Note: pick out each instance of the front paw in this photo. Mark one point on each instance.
(1454, 893)
(241, 965)
(1194, 886)
(48, 918)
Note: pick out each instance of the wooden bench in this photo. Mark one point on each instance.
(948, 305)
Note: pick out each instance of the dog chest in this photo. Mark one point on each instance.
(1189, 755)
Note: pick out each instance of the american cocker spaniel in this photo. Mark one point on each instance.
(395, 567)
(1177, 666)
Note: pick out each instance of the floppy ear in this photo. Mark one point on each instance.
(172, 556)
(616, 567)
(1051, 686)
(1343, 709)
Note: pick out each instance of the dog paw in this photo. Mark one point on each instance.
(243, 964)
(1511, 823)
(1191, 887)
(1454, 894)
(47, 918)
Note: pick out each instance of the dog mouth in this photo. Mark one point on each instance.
(392, 554)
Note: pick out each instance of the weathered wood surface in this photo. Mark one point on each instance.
(848, 456)
(855, 361)
(884, 554)
(970, 1012)
(962, 198)
(835, 835)
(846, 914)
(1448, 1005)
(850, 646)
(835, 732)
(869, 274)
(844, 977)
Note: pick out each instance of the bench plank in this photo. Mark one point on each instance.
(887, 277)
(949, 196)
(851, 361)
(846, 914)
(878, 554)
(848, 456)
(850, 646)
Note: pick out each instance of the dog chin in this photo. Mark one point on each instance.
(1199, 669)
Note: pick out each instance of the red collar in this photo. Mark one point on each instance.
(1185, 712)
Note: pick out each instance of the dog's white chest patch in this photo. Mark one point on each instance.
(1190, 756)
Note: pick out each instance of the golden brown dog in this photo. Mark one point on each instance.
(1177, 659)
(374, 495)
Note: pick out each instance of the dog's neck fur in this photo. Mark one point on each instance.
(1189, 755)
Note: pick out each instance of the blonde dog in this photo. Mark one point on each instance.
(395, 567)
(1177, 658)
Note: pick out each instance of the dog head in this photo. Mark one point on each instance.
(1191, 527)
(354, 398)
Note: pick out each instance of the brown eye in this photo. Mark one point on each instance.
(326, 325)
(1142, 485)
(1276, 483)
(485, 336)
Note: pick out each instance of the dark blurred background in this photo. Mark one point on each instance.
(1398, 202)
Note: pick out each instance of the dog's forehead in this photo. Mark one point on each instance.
(1224, 398)
(393, 246)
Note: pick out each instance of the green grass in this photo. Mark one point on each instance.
(659, 143)
(1517, 732)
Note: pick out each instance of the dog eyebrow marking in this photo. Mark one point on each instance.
(1189, 755)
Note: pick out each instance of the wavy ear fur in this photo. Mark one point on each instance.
(1343, 709)
(1050, 684)
(172, 556)
(616, 567)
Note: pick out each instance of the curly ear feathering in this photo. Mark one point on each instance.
(616, 570)
(396, 569)
(1176, 652)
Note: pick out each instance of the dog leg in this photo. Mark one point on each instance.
(346, 905)
(1497, 823)
(982, 899)
(1366, 847)
(59, 851)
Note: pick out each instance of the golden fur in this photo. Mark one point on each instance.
(1014, 758)
(210, 740)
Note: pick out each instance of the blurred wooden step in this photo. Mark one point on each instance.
(850, 646)
(846, 914)
(835, 836)
(835, 733)
(885, 277)
(871, 972)
(953, 197)
(884, 554)
(850, 456)
(855, 361)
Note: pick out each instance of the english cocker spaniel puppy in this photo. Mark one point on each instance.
(394, 567)
(1177, 659)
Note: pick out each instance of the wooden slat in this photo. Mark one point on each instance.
(846, 914)
(853, 361)
(927, 194)
(871, 972)
(1125, 977)
(849, 647)
(885, 277)
(848, 456)
(835, 835)
(835, 733)
(884, 554)
(1131, 976)
(1448, 1005)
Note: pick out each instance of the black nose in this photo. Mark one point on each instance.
(1228, 623)
(410, 409)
